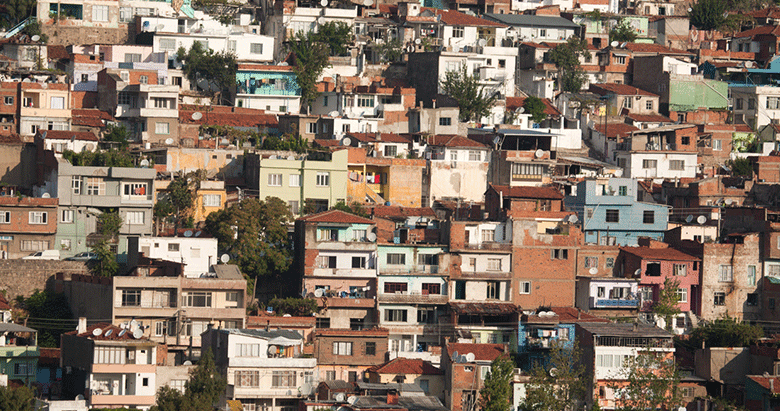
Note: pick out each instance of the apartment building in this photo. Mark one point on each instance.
(348, 354)
(43, 106)
(465, 368)
(663, 152)
(456, 167)
(267, 87)
(27, 225)
(19, 351)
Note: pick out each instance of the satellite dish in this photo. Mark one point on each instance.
(138, 333)
(573, 218)
(45, 195)
(188, 233)
(121, 333)
(482, 42)
(470, 357)
(35, 38)
(340, 397)
(371, 237)
(188, 362)
(553, 372)
(324, 3)
(689, 219)
(224, 258)
(198, 233)
(97, 331)
(273, 350)
(318, 293)
(417, 41)
(272, 157)
(728, 201)
(224, 141)
(638, 272)
(144, 163)
(614, 44)
(169, 141)
(455, 356)
(159, 27)
(79, 397)
(521, 110)
(539, 153)
(352, 399)
(701, 219)
(108, 332)
(133, 325)
(346, 141)
(306, 388)
(690, 9)
(290, 158)
(26, 80)
(197, 115)
(368, 3)
(334, 113)
(593, 271)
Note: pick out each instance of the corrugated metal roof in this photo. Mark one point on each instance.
(532, 21)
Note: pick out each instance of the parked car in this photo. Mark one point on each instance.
(85, 256)
(44, 255)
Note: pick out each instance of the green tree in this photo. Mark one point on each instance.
(741, 167)
(217, 70)
(337, 35)
(725, 332)
(496, 392)
(17, 399)
(708, 14)
(648, 381)
(178, 200)
(100, 158)
(667, 305)
(43, 310)
(535, 107)
(354, 208)
(16, 11)
(390, 51)
(311, 58)
(566, 57)
(298, 307)
(474, 101)
(117, 134)
(559, 384)
(201, 391)
(108, 225)
(254, 233)
(623, 32)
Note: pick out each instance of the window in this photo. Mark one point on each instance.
(525, 287)
(322, 322)
(494, 264)
(134, 218)
(431, 289)
(752, 299)
(125, 99)
(559, 254)
(591, 262)
(329, 234)
(8, 100)
(65, 244)
(427, 259)
(391, 151)
(717, 145)
(275, 180)
(109, 355)
(358, 262)
(197, 299)
(493, 290)
(680, 270)
(751, 275)
(392, 288)
(543, 33)
(365, 101)
(522, 171)
(426, 316)
(212, 200)
(649, 104)
(475, 155)
(648, 217)
(34, 245)
(649, 164)
(720, 298)
(628, 102)
(247, 379)
(370, 348)
(143, 79)
(445, 121)
(5, 217)
(396, 259)
(773, 270)
(359, 235)
(589, 213)
(345, 128)
(739, 104)
(38, 217)
(726, 273)
(612, 215)
(162, 128)
(682, 295)
(623, 191)
(676, 164)
(173, 247)
(395, 315)
(168, 44)
(256, 48)
(620, 59)
(131, 298)
(295, 180)
(99, 13)
(161, 328)
(751, 104)
(457, 32)
(283, 379)
(610, 262)
(132, 58)
(95, 186)
(488, 236)
(323, 179)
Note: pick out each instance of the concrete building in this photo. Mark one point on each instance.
(348, 354)
(19, 352)
(267, 87)
(400, 370)
(457, 169)
(663, 152)
(196, 253)
(109, 366)
(519, 157)
(43, 106)
(464, 379)
(606, 296)
(264, 369)
(380, 180)
(28, 225)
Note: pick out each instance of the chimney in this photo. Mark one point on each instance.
(392, 398)
(433, 103)
(268, 325)
(82, 327)
(636, 325)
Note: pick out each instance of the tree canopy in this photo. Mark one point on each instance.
(43, 309)
(708, 14)
(622, 32)
(254, 233)
(496, 392)
(177, 203)
(535, 107)
(650, 381)
(311, 58)
(108, 225)
(667, 305)
(336, 34)
(566, 57)
(725, 332)
(474, 101)
(559, 384)
(16, 11)
(201, 391)
(217, 70)
(352, 208)
(17, 399)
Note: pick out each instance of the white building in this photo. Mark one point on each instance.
(197, 254)
(458, 169)
(755, 106)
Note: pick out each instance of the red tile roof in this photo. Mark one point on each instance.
(407, 366)
(57, 52)
(620, 89)
(454, 141)
(336, 332)
(765, 382)
(653, 48)
(227, 116)
(482, 352)
(529, 192)
(573, 315)
(615, 129)
(650, 118)
(49, 356)
(105, 327)
(758, 31)
(68, 135)
(386, 137)
(456, 18)
(4, 303)
(402, 212)
(336, 216)
(513, 103)
(666, 254)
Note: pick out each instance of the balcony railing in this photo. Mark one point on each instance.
(412, 297)
(488, 245)
(614, 303)
(149, 304)
(426, 269)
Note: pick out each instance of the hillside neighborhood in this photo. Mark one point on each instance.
(389, 205)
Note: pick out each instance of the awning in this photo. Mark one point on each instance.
(484, 308)
(283, 341)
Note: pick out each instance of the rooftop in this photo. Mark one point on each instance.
(665, 254)
(527, 20)
(528, 192)
(336, 216)
(407, 366)
(625, 330)
(482, 352)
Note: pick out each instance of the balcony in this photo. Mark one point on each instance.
(339, 302)
(540, 343)
(484, 275)
(613, 303)
(486, 246)
(414, 269)
(412, 297)
(257, 362)
(121, 400)
(267, 391)
(148, 304)
(344, 272)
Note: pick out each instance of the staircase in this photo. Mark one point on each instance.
(19, 27)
